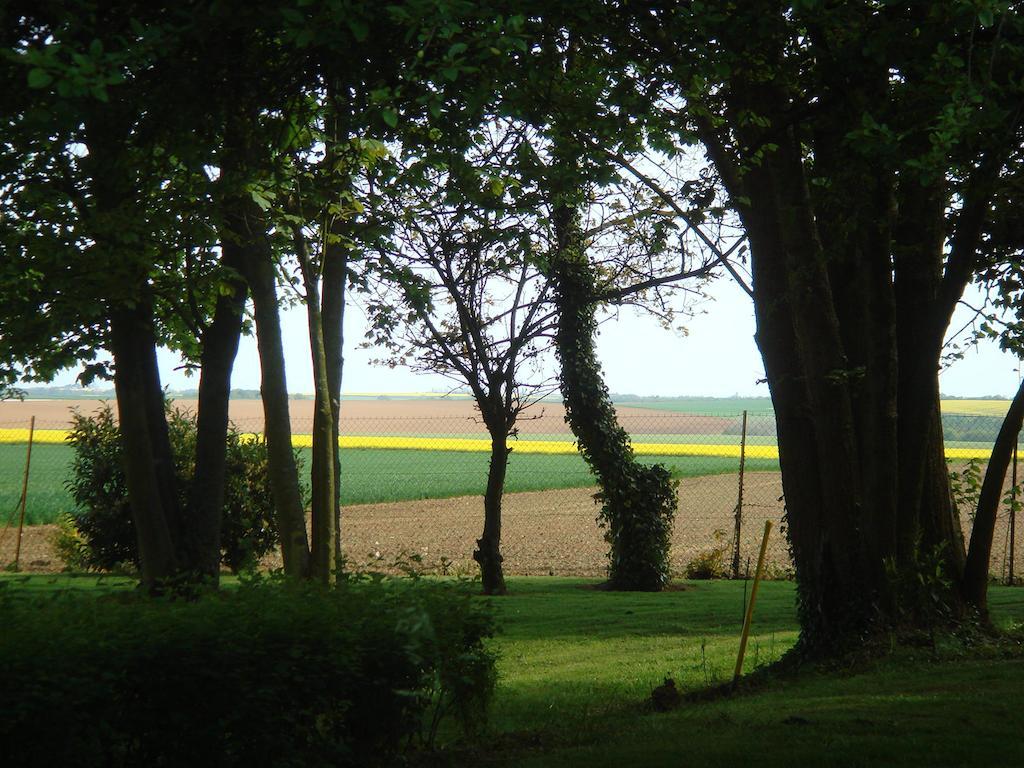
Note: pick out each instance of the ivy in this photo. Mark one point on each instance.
(638, 502)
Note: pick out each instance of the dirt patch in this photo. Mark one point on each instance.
(37, 553)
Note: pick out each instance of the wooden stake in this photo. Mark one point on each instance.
(739, 501)
(1013, 511)
(24, 493)
(750, 605)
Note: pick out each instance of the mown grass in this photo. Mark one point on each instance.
(368, 475)
(577, 666)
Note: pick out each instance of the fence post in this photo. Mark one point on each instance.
(24, 493)
(739, 501)
(749, 616)
(1013, 511)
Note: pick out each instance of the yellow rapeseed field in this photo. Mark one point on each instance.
(478, 445)
(976, 407)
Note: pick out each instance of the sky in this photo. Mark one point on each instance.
(716, 356)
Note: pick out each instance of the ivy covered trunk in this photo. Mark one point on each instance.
(638, 502)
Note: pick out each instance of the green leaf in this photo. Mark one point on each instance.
(390, 117)
(360, 29)
(39, 78)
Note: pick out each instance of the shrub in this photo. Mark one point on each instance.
(711, 563)
(265, 674)
(102, 520)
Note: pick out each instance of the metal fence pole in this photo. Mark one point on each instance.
(24, 493)
(739, 501)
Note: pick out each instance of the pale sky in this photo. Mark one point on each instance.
(717, 357)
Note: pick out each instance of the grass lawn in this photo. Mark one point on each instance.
(577, 665)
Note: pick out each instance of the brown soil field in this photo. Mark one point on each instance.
(546, 532)
(407, 417)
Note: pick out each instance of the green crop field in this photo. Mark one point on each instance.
(707, 406)
(368, 475)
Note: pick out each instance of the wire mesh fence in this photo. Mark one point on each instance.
(414, 473)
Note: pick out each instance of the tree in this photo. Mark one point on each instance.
(460, 293)
(87, 156)
(590, 115)
(862, 147)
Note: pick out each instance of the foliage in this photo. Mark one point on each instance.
(267, 674)
(710, 563)
(70, 546)
(638, 502)
(103, 518)
(965, 486)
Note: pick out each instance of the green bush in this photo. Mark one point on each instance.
(266, 674)
(99, 534)
(710, 563)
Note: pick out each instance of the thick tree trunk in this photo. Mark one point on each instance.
(841, 578)
(930, 539)
(488, 546)
(219, 347)
(638, 501)
(149, 468)
(149, 463)
(975, 582)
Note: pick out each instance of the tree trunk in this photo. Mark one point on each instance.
(488, 546)
(324, 455)
(246, 237)
(219, 347)
(639, 501)
(149, 463)
(335, 279)
(149, 470)
(284, 477)
(975, 582)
